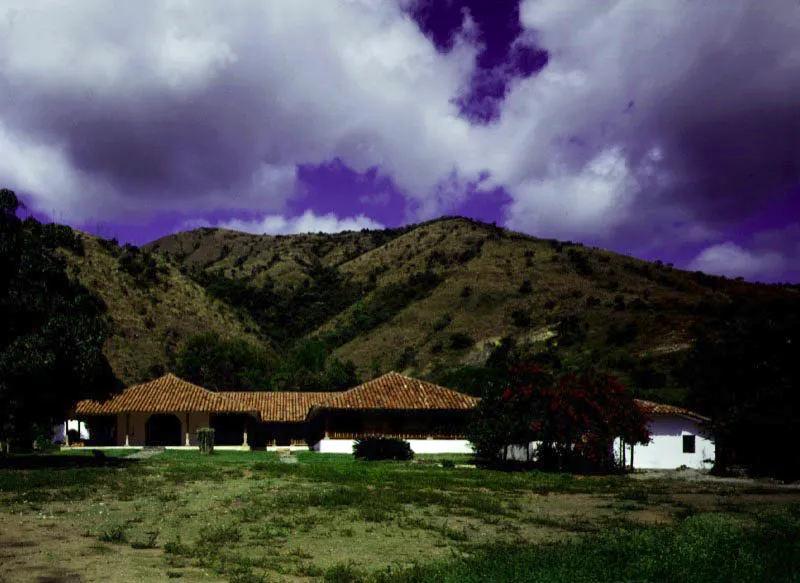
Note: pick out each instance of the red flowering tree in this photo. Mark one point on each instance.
(575, 418)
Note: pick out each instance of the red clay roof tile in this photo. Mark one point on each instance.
(278, 406)
(395, 391)
(651, 408)
(164, 394)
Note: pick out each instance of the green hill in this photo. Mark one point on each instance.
(432, 297)
(153, 306)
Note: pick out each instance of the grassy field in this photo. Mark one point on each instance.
(248, 517)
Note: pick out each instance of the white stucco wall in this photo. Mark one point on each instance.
(665, 450)
(418, 446)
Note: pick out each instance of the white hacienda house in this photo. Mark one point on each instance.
(168, 411)
(678, 437)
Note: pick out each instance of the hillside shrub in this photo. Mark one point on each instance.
(382, 448)
(521, 318)
(525, 288)
(461, 341)
(592, 302)
(407, 358)
(620, 335)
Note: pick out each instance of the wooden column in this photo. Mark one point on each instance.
(188, 443)
(244, 438)
(127, 429)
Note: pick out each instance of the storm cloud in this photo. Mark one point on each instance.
(647, 127)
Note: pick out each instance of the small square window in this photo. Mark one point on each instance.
(688, 444)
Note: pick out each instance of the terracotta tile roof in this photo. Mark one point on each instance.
(651, 408)
(164, 394)
(395, 391)
(289, 406)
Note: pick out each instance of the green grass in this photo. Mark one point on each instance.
(706, 549)
(245, 516)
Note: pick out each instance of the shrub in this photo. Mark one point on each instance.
(442, 323)
(382, 448)
(407, 358)
(521, 318)
(342, 574)
(205, 439)
(461, 341)
(466, 292)
(147, 543)
(526, 287)
(115, 534)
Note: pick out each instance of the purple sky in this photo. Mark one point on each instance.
(665, 130)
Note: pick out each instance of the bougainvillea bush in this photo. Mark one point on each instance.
(574, 418)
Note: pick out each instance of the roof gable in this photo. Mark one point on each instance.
(394, 391)
(652, 408)
(168, 393)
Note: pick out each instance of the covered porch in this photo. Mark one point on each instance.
(165, 412)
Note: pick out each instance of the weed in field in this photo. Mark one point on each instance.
(309, 570)
(114, 533)
(244, 574)
(376, 514)
(269, 532)
(147, 543)
(454, 534)
(343, 574)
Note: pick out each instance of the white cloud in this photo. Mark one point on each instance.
(198, 95)
(732, 260)
(696, 98)
(591, 201)
(199, 105)
(308, 222)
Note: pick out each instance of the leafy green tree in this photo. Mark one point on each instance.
(742, 371)
(52, 331)
(341, 375)
(226, 364)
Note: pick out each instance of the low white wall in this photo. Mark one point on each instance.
(665, 450)
(334, 446)
(420, 446)
(440, 446)
(521, 453)
(60, 430)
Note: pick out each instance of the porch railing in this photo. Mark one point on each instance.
(361, 435)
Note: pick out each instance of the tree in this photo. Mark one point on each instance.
(52, 332)
(742, 371)
(574, 418)
(226, 364)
